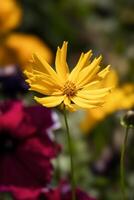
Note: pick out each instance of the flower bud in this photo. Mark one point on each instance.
(128, 119)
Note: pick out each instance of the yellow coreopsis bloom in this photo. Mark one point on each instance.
(79, 88)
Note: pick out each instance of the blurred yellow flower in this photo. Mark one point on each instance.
(80, 88)
(10, 15)
(17, 48)
(121, 98)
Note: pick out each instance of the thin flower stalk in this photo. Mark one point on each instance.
(70, 147)
(122, 171)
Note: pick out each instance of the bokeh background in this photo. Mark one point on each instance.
(106, 27)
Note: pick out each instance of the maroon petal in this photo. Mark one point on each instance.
(26, 128)
(16, 172)
(44, 119)
(27, 149)
(11, 118)
(20, 193)
(41, 146)
(36, 163)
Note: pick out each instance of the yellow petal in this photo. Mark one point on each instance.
(60, 62)
(109, 77)
(83, 103)
(104, 72)
(97, 91)
(83, 61)
(68, 104)
(57, 59)
(47, 82)
(51, 101)
(93, 101)
(67, 100)
(91, 96)
(44, 88)
(28, 73)
(64, 57)
(80, 65)
(89, 72)
(36, 64)
(41, 89)
(71, 107)
(43, 66)
(41, 82)
(91, 85)
(42, 79)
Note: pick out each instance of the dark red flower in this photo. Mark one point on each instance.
(26, 148)
(62, 192)
(18, 193)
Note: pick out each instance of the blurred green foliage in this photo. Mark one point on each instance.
(105, 26)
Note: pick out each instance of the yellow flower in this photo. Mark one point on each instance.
(17, 48)
(121, 98)
(10, 15)
(79, 88)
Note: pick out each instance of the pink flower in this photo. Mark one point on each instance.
(26, 148)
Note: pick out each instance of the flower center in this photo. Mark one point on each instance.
(8, 144)
(69, 89)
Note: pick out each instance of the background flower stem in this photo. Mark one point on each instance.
(122, 171)
(71, 155)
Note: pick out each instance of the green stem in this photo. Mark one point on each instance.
(71, 155)
(58, 170)
(122, 171)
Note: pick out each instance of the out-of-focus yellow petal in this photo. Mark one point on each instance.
(17, 48)
(91, 118)
(120, 98)
(109, 78)
(10, 15)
